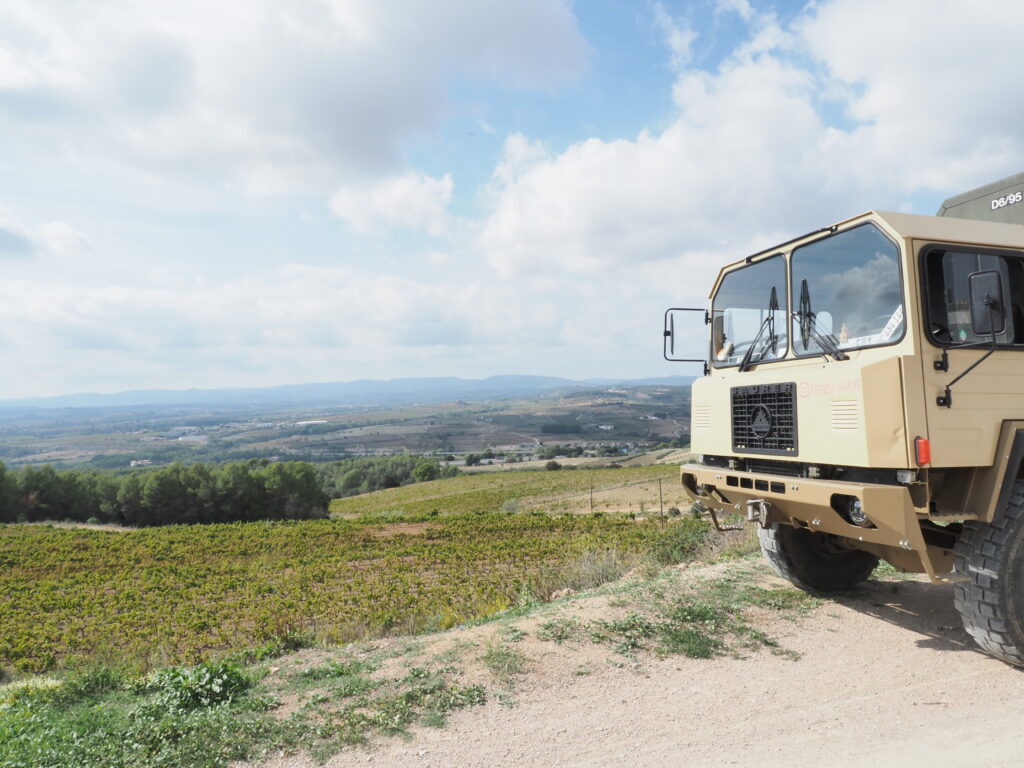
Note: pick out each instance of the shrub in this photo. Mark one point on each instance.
(184, 688)
(594, 568)
(680, 541)
(89, 683)
(552, 465)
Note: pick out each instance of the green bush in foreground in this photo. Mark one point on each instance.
(184, 688)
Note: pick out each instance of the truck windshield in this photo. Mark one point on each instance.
(847, 291)
(744, 310)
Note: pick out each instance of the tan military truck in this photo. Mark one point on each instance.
(863, 399)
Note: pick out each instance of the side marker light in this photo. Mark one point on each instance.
(923, 449)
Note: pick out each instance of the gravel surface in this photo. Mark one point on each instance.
(885, 678)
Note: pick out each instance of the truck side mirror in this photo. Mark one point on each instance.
(673, 317)
(988, 317)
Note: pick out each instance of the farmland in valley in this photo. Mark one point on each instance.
(114, 437)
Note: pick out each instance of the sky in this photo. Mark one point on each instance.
(198, 195)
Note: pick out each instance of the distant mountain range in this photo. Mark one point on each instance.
(351, 393)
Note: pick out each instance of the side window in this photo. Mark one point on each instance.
(949, 310)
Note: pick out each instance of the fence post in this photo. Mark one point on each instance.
(661, 499)
(591, 494)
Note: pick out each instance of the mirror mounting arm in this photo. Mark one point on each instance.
(945, 400)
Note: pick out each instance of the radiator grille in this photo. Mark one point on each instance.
(764, 419)
(769, 467)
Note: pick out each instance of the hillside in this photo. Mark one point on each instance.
(640, 490)
(882, 677)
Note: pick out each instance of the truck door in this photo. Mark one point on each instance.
(963, 431)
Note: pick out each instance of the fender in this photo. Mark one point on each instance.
(979, 493)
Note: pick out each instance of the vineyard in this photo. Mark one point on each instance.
(632, 490)
(181, 593)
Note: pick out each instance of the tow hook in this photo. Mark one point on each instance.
(757, 512)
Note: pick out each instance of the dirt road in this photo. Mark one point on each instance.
(887, 678)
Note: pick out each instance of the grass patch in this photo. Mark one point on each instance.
(213, 713)
(701, 620)
(503, 661)
(594, 568)
(560, 630)
(178, 718)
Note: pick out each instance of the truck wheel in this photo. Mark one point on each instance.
(814, 561)
(989, 594)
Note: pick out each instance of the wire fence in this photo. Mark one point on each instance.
(651, 496)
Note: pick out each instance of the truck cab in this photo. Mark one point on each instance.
(863, 399)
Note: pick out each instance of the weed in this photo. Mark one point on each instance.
(700, 620)
(559, 630)
(454, 653)
(505, 699)
(514, 634)
(503, 662)
(87, 684)
(185, 688)
(279, 646)
(594, 568)
(680, 541)
(688, 641)
(337, 669)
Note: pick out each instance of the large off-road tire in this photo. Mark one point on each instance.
(989, 594)
(814, 561)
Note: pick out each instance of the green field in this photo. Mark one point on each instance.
(614, 490)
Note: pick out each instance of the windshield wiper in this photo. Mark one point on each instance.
(808, 330)
(772, 342)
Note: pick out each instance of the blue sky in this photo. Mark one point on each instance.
(321, 190)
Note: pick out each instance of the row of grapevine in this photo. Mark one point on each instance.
(174, 594)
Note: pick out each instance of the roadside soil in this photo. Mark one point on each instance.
(885, 677)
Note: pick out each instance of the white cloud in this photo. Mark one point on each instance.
(933, 89)
(413, 201)
(741, 7)
(15, 240)
(21, 241)
(679, 37)
(275, 94)
(758, 147)
(302, 323)
(621, 202)
(62, 239)
(518, 156)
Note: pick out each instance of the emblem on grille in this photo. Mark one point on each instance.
(761, 423)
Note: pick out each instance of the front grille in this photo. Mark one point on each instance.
(764, 419)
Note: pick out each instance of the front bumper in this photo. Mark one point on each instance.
(895, 534)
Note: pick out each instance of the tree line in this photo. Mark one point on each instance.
(350, 477)
(202, 493)
(197, 493)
